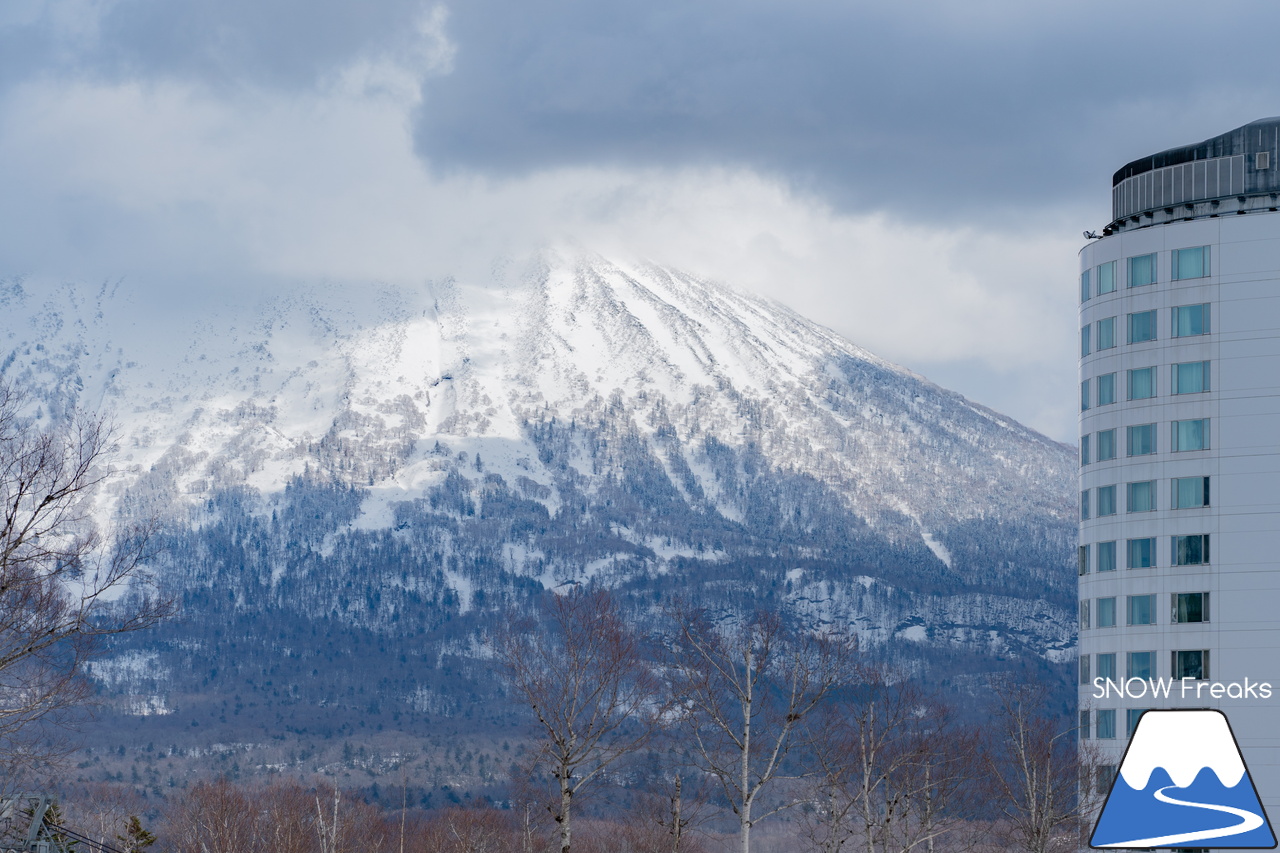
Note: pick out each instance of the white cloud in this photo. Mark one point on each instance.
(195, 190)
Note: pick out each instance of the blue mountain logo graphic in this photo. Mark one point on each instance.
(1183, 781)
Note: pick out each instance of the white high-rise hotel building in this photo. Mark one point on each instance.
(1180, 443)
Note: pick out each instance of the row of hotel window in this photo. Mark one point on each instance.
(1140, 553)
(1143, 270)
(1186, 607)
(1187, 321)
(1105, 729)
(1140, 496)
(1191, 377)
(1185, 663)
(1140, 440)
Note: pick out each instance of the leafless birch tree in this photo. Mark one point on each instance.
(57, 572)
(1035, 766)
(745, 692)
(896, 770)
(583, 674)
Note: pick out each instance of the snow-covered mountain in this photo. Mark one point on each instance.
(383, 457)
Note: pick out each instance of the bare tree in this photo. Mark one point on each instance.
(58, 574)
(896, 770)
(585, 678)
(746, 692)
(1035, 766)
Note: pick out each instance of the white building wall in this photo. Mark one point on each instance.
(1243, 462)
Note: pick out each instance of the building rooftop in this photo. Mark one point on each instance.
(1235, 172)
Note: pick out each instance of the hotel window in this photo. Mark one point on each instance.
(1142, 383)
(1107, 277)
(1190, 320)
(1106, 389)
(1190, 492)
(1084, 614)
(1142, 609)
(1084, 340)
(1106, 444)
(1107, 666)
(1084, 670)
(1106, 333)
(1190, 607)
(1190, 263)
(1084, 286)
(1142, 326)
(1084, 505)
(1106, 724)
(1141, 439)
(1191, 550)
(1084, 725)
(1084, 450)
(1191, 377)
(1083, 554)
(1142, 270)
(1106, 613)
(1106, 775)
(1193, 663)
(1142, 553)
(1142, 496)
(1142, 665)
(1106, 500)
(1131, 717)
(1191, 435)
(1107, 556)
(1084, 395)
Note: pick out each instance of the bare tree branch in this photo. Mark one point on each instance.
(60, 578)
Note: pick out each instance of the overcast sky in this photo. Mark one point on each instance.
(915, 175)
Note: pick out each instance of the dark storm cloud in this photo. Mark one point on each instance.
(895, 106)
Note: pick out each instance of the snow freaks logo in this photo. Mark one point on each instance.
(1183, 781)
(1184, 688)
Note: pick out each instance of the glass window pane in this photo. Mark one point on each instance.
(1142, 665)
(1107, 277)
(1142, 326)
(1142, 553)
(1084, 614)
(1106, 333)
(1106, 500)
(1084, 450)
(1192, 663)
(1084, 286)
(1142, 383)
(1106, 612)
(1190, 263)
(1083, 554)
(1142, 496)
(1191, 550)
(1107, 723)
(1191, 435)
(1084, 341)
(1106, 444)
(1106, 389)
(1142, 439)
(1142, 609)
(1084, 505)
(1191, 320)
(1132, 715)
(1084, 724)
(1191, 607)
(1107, 556)
(1142, 270)
(1084, 395)
(1190, 492)
(1084, 670)
(1191, 378)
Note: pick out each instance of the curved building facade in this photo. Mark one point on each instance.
(1180, 446)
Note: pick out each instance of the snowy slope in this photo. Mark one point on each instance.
(556, 380)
